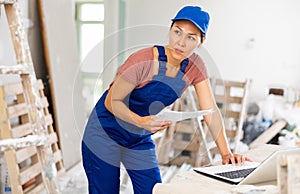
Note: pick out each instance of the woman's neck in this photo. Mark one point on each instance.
(174, 58)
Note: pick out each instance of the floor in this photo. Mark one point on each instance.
(74, 181)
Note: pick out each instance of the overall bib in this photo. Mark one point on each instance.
(107, 140)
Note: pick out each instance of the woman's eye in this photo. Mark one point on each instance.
(177, 32)
(191, 38)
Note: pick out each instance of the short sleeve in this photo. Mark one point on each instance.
(196, 71)
(137, 68)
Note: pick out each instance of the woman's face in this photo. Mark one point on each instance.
(184, 38)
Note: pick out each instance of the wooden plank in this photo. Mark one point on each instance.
(232, 114)
(52, 138)
(228, 99)
(25, 153)
(242, 116)
(180, 160)
(13, 170)
(57, 156)
(44, 102)
(39, 84)
(234, 99)
(230, 133)
(4, 124)
(21, 130)
(61, 172)
(293, 173)
(282, 174)
(268, 134)
(183, 136)
(13, 89)
(19, 39)
(40, 188)
(17, 110)
(220, 99)
(30, 172)
(185, 127)
(48, 120)
(7, 1)
(185, 145)
(229, 83)
(288, 174)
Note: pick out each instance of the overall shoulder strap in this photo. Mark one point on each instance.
(184, 64)
(161, 53)
(162, 59)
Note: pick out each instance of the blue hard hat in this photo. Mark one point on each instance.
(195, 15)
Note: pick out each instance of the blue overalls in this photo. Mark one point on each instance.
(107, 140)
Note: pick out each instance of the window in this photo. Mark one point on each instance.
(90, 25)
(90, 34)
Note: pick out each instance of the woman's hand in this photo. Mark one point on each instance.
(151, 124)
(234, 159)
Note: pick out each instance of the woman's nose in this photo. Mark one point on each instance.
(181, 41)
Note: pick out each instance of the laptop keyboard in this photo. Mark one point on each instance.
(237, 173)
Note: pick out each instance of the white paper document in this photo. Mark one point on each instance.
(175, 116)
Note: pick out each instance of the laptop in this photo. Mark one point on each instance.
(249, 172)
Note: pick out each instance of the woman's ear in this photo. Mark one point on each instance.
(203, 39)
(201, 42)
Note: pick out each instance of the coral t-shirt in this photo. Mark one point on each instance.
(138, 68)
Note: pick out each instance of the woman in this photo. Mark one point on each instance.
(122, 122)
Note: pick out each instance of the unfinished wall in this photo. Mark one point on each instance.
(63, 65)
(246, 39)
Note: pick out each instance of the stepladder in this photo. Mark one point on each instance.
(185, 141)
(231, 97)
(29, 142)
(32, 155)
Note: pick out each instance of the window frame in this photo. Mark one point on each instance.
(79, 22)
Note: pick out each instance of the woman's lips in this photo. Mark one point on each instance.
(178, 51)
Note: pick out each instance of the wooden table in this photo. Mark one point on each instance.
(191, 182)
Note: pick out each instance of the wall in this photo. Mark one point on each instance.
(64, 71)
(257, 39)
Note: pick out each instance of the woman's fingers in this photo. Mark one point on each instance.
(155, 126)
(235, 159)
(163, 125)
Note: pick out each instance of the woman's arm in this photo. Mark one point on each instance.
(114, 103)
(215, 123)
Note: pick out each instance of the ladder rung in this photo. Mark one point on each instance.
(36, 189)
(61, 172)
(13, 89)
(30, 173)
(186, 128)
(44, 102)
(181, 160)
(17, 110)
(48, 119)
(21, 130)
(25, 153)
(230, 133)
(232, 114)
(57, 156)
(40, 84)
(7, 1)
(185, 145)
(52, 138)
